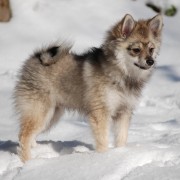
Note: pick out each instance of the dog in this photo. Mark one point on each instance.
(103, 83)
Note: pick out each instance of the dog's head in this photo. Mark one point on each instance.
(136, 43)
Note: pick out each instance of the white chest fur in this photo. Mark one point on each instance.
(116, 99)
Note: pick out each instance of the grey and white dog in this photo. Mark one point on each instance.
(103, 83)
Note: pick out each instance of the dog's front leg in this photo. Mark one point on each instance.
(99, 123)
(121, 126)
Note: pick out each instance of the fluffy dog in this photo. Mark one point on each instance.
(103, 83)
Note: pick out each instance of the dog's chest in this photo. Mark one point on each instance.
(118, 100)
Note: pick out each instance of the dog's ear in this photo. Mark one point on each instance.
(156, 24)
(124, 28)
(128, 24)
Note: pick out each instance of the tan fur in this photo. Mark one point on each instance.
(103, 84)
(99, 123)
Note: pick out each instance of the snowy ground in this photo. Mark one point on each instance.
(66, 152)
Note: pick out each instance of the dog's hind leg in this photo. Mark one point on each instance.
(54, 120)
(32, 123)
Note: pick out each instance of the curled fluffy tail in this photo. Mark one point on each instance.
(52, 53)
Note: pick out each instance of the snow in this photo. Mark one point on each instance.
(67, 151)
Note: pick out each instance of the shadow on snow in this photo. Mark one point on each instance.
(66, 147)
(169, 72)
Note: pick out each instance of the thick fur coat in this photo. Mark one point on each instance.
(103, 83)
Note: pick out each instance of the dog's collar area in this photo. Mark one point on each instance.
(141, 67)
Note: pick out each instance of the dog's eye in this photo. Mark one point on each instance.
(151, 50)
(136, 50)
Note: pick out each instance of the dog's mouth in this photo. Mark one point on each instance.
(141, 67)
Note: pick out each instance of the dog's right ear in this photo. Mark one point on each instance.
(127, 26)
(124, 28)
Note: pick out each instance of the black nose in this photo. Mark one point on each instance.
(150, 62)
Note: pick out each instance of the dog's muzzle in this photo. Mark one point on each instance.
(149, 61)
(141, 67)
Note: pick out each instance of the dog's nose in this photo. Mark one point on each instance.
(150, 62)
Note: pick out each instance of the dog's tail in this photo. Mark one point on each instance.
(52, 53)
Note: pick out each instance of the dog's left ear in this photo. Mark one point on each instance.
(156, 24)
